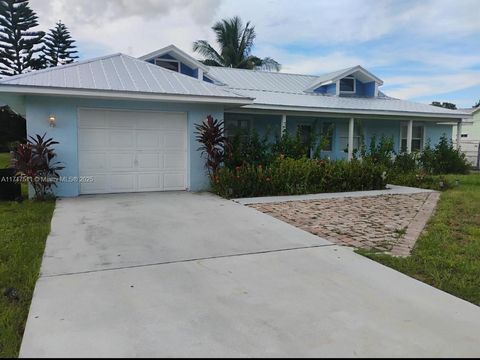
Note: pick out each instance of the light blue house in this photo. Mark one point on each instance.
(127, 124)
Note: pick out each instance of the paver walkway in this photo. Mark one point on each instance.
(388, 223)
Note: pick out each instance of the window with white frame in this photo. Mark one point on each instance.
(418, 137)
(168, 64)
(348, 85)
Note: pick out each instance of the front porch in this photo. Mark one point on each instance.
(344, 134)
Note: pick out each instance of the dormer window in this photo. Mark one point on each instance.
(168, 64)
(348, 85)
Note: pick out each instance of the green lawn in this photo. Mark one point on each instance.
(4, 160)
(23, 230)
(447, 254)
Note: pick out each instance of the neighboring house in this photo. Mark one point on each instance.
(128, 124)
(469, 137)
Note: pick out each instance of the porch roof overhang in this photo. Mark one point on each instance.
(348, 113)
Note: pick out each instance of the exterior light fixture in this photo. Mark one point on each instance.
(52, 120)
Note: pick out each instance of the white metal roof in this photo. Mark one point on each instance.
(329, 103)
(116, 73)
(279, 90)
(261, 80)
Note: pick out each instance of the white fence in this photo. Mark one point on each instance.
(472, 150)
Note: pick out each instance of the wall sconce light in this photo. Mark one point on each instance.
(52, 120)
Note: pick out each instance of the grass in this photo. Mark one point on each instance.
(4, 160)
(24, 228)
(447, 254)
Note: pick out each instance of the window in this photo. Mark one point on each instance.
(173, 65)
(347, 85)
(464, 135)
(237, 126)
(327, 136)
(418, 134)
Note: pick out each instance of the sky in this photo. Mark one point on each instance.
(424, 50)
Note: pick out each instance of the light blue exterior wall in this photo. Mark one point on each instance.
(38, 109)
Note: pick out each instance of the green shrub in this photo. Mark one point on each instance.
(287, 176)
(448, 160)
(405, 163)
(420, 180)
(380, 153)
(248, 148)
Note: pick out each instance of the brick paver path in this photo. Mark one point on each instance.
(388, 223)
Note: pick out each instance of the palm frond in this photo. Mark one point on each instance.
(207, 51)
(270, 65)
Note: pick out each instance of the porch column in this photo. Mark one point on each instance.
(351, 130)
(283, 126)
(409, 136)
(459, 134)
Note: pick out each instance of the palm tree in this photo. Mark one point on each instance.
(236, 42)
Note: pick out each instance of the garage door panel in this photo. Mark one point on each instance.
(92, 119)
(121, 139)
(174, 181)
(174, 140)
(96, 186)
(149, 161)
(149, 139)
(122, 182)
(121, 120)
(89, 139)
(173, 122)
(150, 182)
(132, 151)
(174, 160)
(93, 161)
(121, 161)
(149, 121)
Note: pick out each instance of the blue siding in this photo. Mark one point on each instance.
(369, 89)
(365, 89)
(65, 109)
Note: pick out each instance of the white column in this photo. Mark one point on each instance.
(200, 74)
(283, 126)
(409, 136)
(351, 130)
(459, 135)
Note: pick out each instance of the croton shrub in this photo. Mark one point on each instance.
(34, 162)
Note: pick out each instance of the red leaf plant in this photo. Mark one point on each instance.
(34, 160)
(213, 143)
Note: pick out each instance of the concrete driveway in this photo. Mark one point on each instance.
(181, 274)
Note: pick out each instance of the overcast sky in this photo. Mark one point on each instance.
(424, 50)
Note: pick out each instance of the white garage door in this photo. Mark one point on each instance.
(131, 151)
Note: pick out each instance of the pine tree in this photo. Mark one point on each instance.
(18, 43)
(59, 46)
